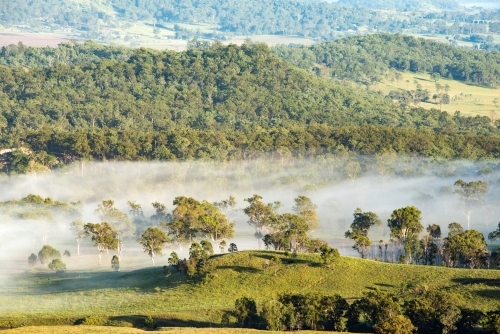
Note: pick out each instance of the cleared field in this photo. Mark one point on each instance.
(126, 298)
(468, 99)
(38, 40)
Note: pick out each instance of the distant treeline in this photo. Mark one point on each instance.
(314, 19)
(367, 58)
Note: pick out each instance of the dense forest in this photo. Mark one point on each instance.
(367, 58)
(221, 103)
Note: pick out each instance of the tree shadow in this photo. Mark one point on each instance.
(471, 281)
(241, 269)
(385, 285)
(139, 321)
(142, 280)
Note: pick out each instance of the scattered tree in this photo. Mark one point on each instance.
(115, 263)
(47, 254)
(32, 259)
(232, 248)
(57, 265)
(103, 236)
(152, 241)
(78, 232)
(471, 195)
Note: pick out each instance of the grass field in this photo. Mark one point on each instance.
(121, 330)
(468, 99)
(127, 298)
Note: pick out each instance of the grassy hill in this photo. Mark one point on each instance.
(126, 298)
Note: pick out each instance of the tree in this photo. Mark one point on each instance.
(222, 246)
(360, 228)
(434, 311)
(32, 259)
(78, 231)
(398, 324)
(47, 254)
(307, 210)
(207, 247)
(103, 236)
(115, 263)
(328, 255)
(405, 226)
(152, 241)
(232, 248)
(468, 248)
(246, 312)
(494, 235)
(160, 214)
(57, 265)
(118, 220)
(173, 260)
(258, 213)
(471, 195)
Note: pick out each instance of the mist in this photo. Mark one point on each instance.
(337, 185)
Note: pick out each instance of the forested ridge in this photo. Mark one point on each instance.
(215, 103)
(367, 58)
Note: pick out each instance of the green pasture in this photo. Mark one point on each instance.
(468, 99)
(126, 298)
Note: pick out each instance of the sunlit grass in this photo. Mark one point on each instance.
(469, 99)
(126, 298)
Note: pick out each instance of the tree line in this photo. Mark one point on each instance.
(417, 310)
(367, 59)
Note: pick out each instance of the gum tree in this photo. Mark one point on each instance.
(152, 241)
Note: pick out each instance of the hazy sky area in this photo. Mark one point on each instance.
(377, 190)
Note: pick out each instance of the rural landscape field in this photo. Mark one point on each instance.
(241, 167)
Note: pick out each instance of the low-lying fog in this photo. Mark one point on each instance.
(336, 185)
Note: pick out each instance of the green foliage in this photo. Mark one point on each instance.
(149, 322)
(434, 312)
(365, 59)
(103, 236)
(359, 230)
(232, 248)
(57, 265)
(152, 241)
(467, 248)
(47, 254)
(115, 263)
(329, 255)
(397, 324)
(246, 312)
(32, 259)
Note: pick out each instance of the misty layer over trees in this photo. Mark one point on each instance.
(325, 192)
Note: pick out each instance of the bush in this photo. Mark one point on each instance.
(115, 263)
(32, 259)
(57, 265)
(150, 322)
(47, 254)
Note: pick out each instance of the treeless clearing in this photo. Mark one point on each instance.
(38, 40)
(122, 330)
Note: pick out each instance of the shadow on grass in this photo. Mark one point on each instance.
(490, 294)
(471, 281)
(142, 280)
(385, 285)
(240, 269)
(286, 260)
(139, 321)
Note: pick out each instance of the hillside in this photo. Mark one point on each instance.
(366, 59)
(125, 298)
(87, 101)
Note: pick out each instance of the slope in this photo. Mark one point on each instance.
(125, 298)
